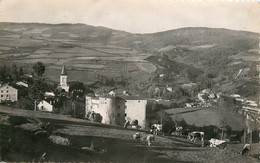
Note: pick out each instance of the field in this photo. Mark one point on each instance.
(112, 143)
(185, 55)
(207, 116)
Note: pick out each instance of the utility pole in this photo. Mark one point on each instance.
(34, 105)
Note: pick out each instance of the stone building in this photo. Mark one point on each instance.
(136, 109)
(112, 109)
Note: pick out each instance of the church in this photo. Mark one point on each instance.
(63, 80)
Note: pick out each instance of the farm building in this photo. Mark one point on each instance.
(45, 105)
(8, 93)
(112, 109)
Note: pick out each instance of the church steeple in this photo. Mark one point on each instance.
(63, 80)
(63, 71)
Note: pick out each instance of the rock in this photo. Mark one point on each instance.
(59, 140)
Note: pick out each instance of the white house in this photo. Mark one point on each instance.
(169, 89)
(50, 94)
(8, 93)
(112, 93)
(45, 106)
(20, 83)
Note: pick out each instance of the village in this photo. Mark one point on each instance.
(122, 109)
(129, 81)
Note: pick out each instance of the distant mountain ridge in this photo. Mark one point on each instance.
(89, 49)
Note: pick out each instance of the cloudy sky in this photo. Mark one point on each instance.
(136, 16)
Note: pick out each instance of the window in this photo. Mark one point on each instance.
(2, 95)
(118, 114)
(6, 95)
(6, 91)
(2, 91)
(6, 87)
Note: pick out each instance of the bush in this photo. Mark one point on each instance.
(94, 117)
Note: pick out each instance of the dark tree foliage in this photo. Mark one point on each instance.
(14, 73)
(39, 69)
(26, 103)
(77, 88)
(36, 92)
(5, 73)
(21, 73)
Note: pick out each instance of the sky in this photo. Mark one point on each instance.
(136, 16)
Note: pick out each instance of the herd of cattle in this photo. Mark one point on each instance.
(195, 136)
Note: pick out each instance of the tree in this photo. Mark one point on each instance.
(77, 88)
(39, 69)
(26, 103)
(37, 90)
(13, 72)
(21, 73)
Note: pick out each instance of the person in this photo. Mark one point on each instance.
(246, 149)
(127, 123)
(150, 139)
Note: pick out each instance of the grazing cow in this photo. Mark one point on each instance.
(179, 130)
(150, 139)
(218, 143)
(246, 149)
(196, 136)
(155, 128)
(136, 136)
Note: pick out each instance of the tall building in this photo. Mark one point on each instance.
(112, 109)
(135, 109)
(116, 110)
(63, 80)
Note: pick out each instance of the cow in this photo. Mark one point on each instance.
(136, 136)
(155, 128)
(179, 130)
(196, 136)
(218, 143)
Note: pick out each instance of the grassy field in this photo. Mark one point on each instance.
(207, 116)
(21, 144)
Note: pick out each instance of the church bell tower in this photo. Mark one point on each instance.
(63, 79)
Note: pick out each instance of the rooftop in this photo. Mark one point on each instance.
(63, 71)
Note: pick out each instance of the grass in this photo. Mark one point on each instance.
(207, 116)
(21, 145)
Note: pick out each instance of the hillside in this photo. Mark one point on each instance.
(110, 143)
(191, 54)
